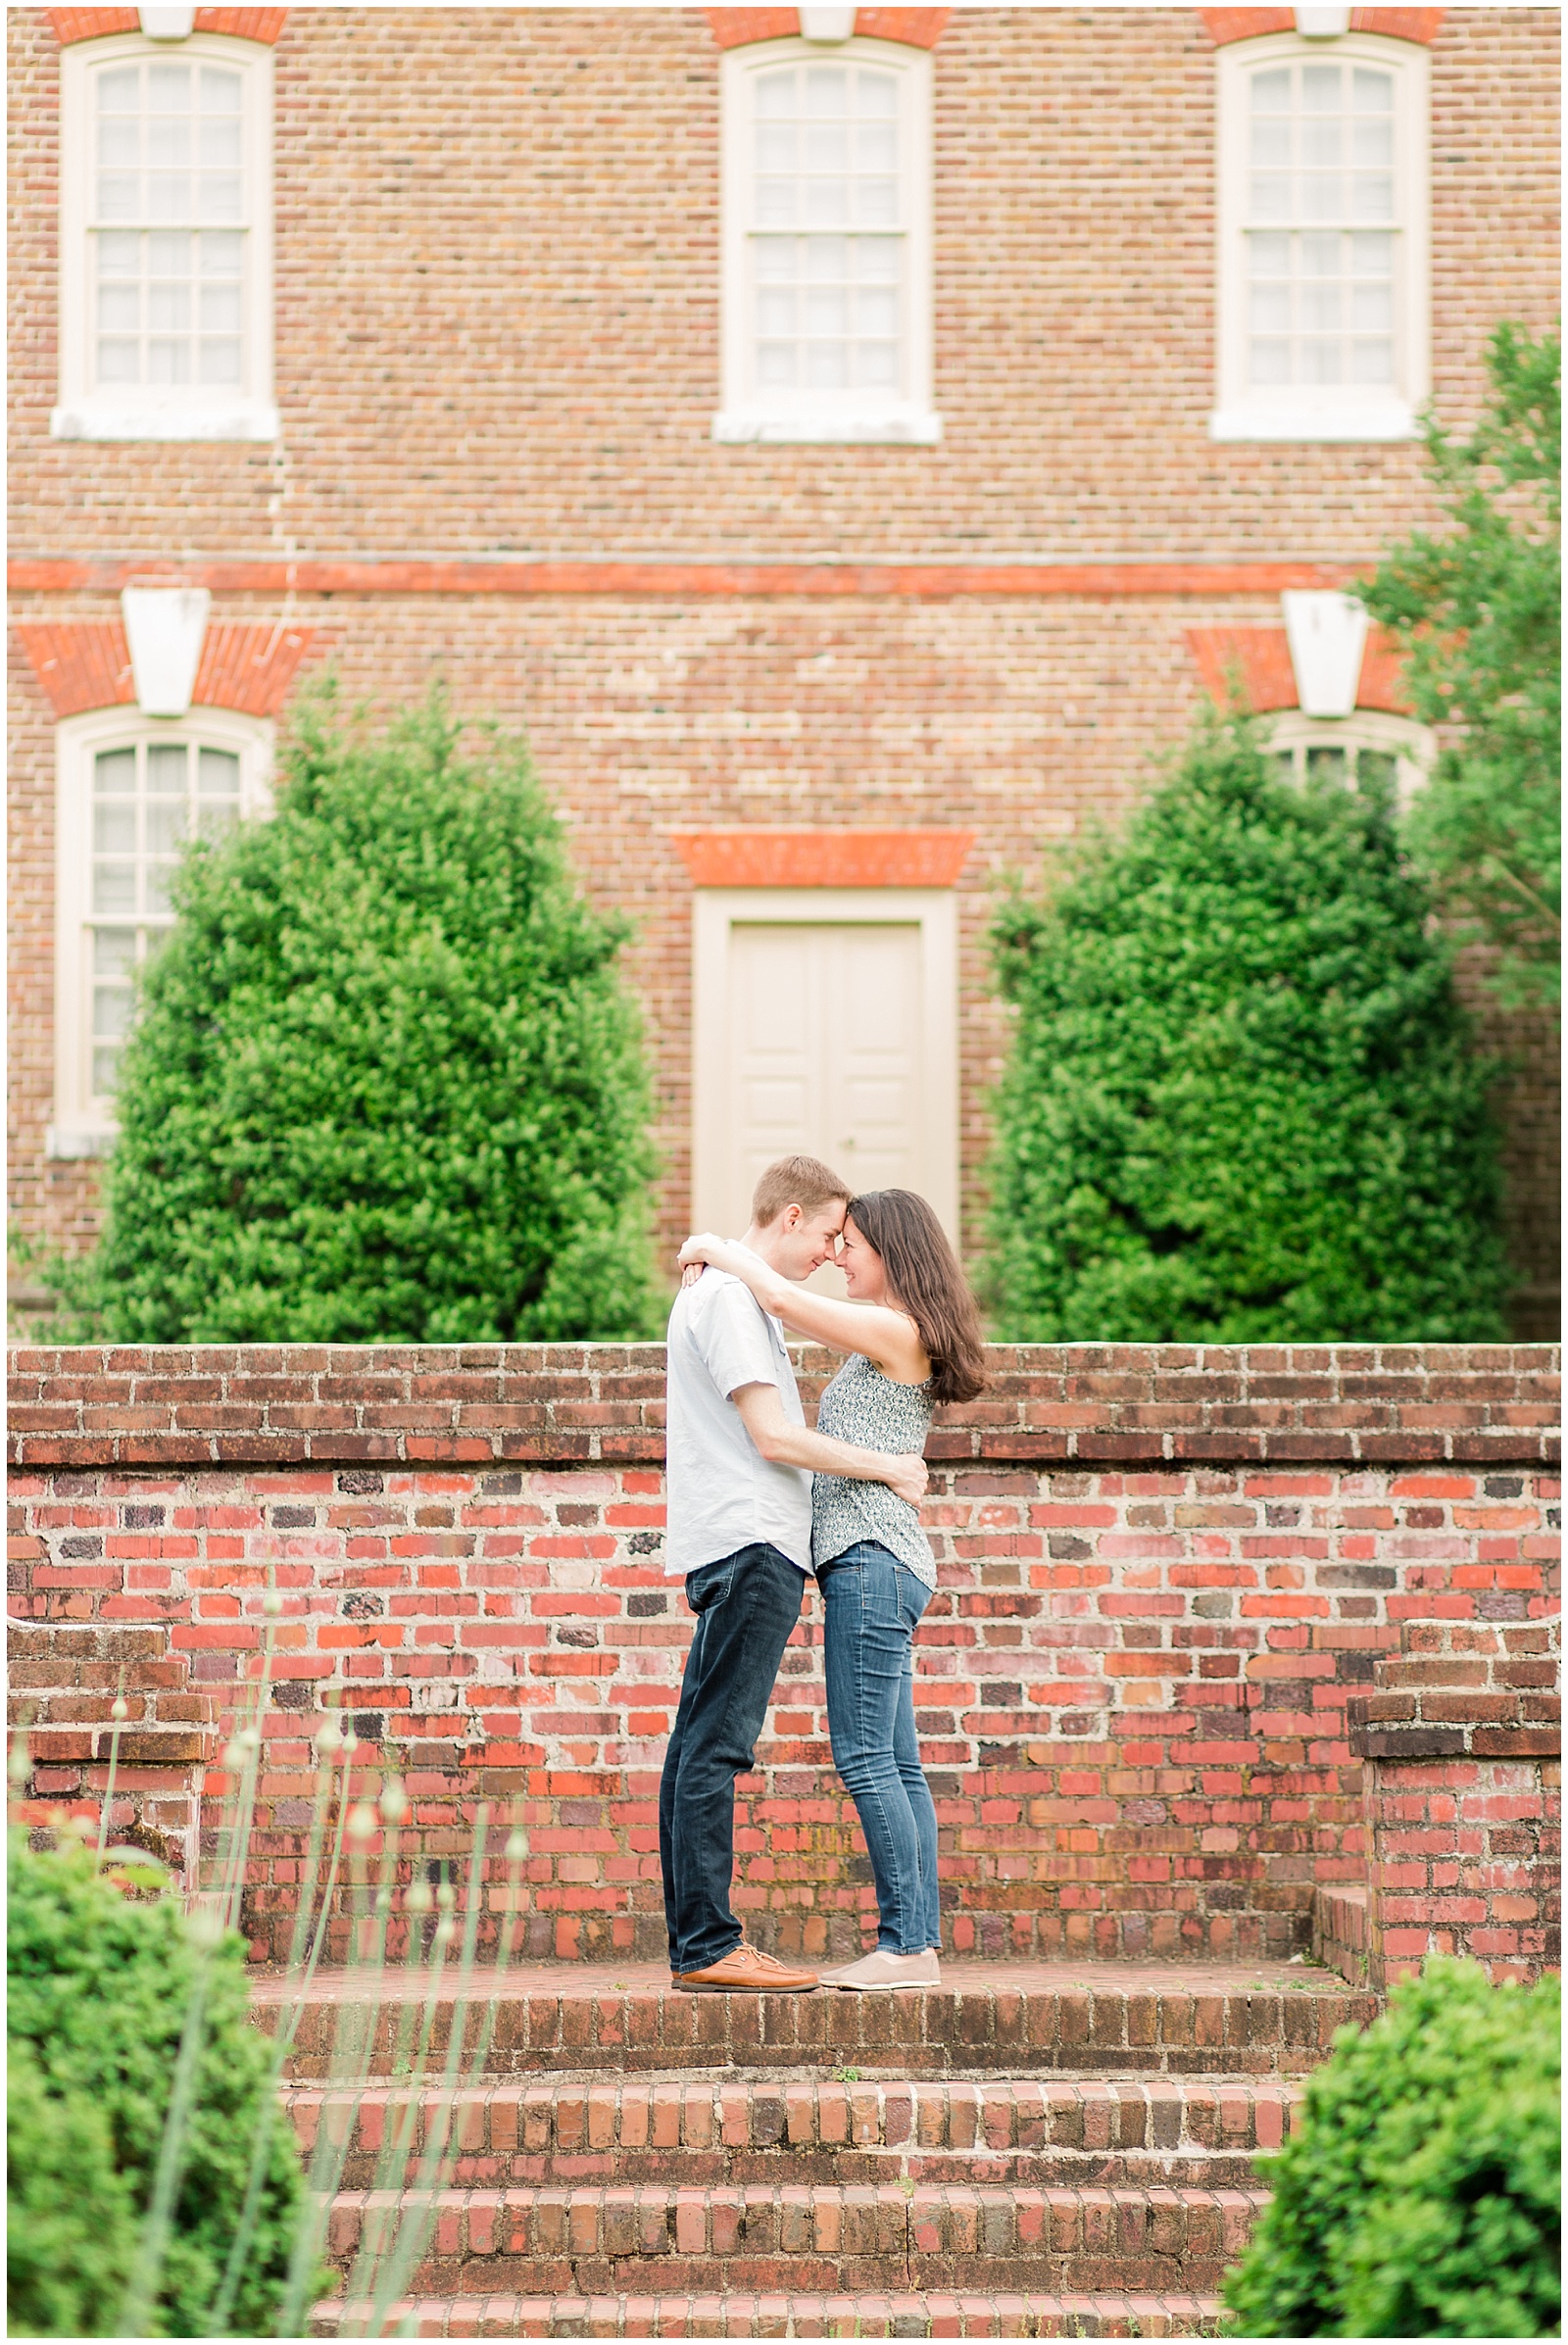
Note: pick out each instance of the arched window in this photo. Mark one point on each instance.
(165, 326)
(827, 243)
(1370, 745)
(132, 790)
(1323, 261)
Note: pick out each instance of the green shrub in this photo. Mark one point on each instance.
(1478, 613)
(1239, 1107)
(386, 1082)
(1420, 2197)
(98, 1991)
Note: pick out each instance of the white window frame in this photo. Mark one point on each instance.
(717, 913)
(131, 411)
(745, 414)
(1334, 412)
(83, 1124)
(1292, 732)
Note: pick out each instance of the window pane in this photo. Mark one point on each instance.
(168, 305)
(1377, 769)
(113, 773)
(168, 766)
(219, 309)
(775, 96)
(218, 772)
(1327, 764)
(219, 363)
(1372, 307)
(114, 887)
(168, 88)
(114, 826)
(166, 825)
(111, 1009)
(219, 143)
(119, 142)
(113, 951)
(105, 1071)
(119, 90)
(167, 141)
(118, 308)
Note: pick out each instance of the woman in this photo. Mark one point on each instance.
(913, 1336)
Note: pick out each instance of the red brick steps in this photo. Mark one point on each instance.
(738, 2128)
(630, 2240)
(868, 2316)
(1112, 2019)
(1029, 2151)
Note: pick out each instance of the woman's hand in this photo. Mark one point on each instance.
(703, 1248)
(770, 1290)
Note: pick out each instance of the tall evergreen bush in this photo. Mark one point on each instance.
(386, 1082)
(1238, 1105)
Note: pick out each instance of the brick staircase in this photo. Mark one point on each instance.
(1042, 2152)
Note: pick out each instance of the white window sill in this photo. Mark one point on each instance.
(68, 1143)
(1306, 419)
(104, 419)
(736, 425)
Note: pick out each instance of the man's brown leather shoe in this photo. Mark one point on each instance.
(746, 1971)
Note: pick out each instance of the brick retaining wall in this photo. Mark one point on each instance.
(1164, 1574)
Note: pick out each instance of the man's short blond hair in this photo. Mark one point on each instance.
(803, 1181)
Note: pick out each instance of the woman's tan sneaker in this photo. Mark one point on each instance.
(746, 1971)
(885, 1969)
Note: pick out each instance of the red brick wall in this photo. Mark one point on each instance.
(1163, 1575)
(498, 318)
(1461, 1751)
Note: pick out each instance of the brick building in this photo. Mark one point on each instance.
(849, 442)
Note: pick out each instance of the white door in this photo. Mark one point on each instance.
(824, 1055)
(824, 1023)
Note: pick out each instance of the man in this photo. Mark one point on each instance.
(739, 1482)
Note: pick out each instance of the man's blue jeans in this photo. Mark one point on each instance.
(745, 1605)
(873, 1604)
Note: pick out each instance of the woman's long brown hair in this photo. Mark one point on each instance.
(926, 1279)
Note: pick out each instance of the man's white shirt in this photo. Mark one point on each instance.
(722, 1494)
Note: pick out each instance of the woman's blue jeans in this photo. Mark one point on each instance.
(874, 1603)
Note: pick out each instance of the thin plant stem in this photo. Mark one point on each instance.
(106, 1810)
(142, 2288)
(414, 2230)
(152, 2245)
(354, 2039)
(232, 1893)
(289, 2021)
(392, 2163)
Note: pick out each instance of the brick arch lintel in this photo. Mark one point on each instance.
(1227, 24)
(73, 25)
(1260, 659)
(760, 856)
(914, 27)
(82, 665)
